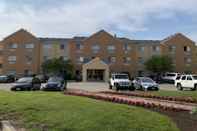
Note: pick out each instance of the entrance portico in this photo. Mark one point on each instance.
(95, 70)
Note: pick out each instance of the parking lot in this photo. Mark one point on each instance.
(91, 86)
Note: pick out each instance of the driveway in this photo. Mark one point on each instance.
(101, 86)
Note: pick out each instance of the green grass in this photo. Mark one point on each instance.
(70, 113)
(192, 94)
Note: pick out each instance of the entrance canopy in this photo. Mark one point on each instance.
(95, 70)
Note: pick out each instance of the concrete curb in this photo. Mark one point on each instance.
(7, 126)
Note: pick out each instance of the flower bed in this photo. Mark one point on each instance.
(146, 95)
(123, 100)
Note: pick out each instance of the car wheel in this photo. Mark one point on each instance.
(110, 86)
(179, 87)
(195, 87)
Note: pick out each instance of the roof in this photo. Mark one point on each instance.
(18, 31)
(126, 40)
(54, 40)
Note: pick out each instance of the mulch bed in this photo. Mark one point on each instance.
(184, 120)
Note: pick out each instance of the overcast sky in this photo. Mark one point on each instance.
(136, 19)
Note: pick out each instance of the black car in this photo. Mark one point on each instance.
(7, 79)
(55, 84)
(26, 83)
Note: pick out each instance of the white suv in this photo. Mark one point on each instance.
(120, 81)
(186, 81)
(170, 77)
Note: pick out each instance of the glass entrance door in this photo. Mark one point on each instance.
(95, 75)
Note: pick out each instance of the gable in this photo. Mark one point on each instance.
(20, 35)
(177, 38)
(95, 63)
(100, 36)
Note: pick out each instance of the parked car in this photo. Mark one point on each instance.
(186, 82)
(170, 77)
(120, 81)
(26, 83)
(145, 83)
(7, 78)
(54, 84)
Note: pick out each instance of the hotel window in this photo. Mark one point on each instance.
(47, 46)
(126, 48)
(13, 46)
(112, 59)
(80, 59)
(62, 46)
(188, 60)
(29, 59)
(12, 59)
(187, 49)
(11, 72)
(156, 48)
(46, 58)
(140, 60)
(127, 60)
(141, 48)
(95, 48)
(79, 46)
(111, 48)
(29, 46)
(172, 48)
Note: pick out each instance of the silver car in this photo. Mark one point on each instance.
(145, 83)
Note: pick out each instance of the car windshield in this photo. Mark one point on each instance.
(55, 79)
(147, 80)
(195, 77)
(25, 80)
(121, 77)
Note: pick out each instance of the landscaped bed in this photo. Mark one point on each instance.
(57, 112)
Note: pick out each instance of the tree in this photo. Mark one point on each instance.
(159, 64)
(58, 66)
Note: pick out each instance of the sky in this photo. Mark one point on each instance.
(135, 19)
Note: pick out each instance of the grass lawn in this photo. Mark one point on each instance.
(192, 94)
(70, 113)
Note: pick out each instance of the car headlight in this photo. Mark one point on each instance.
(59, 85)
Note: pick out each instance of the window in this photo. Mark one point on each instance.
(79, 46)
(46, 58)
(188, 60)
(172, 48)
(189, 78)
(187, 49)
(29, 46)
(95, 48)
(183, 78)
(62, 47)
(80, 59)
(126, 48)
(13, 46)
(112, 59)
(11, 72)
(141, 48)
(141, 60)
(1, 65)
(47, 46)
(29, 59)
(111, 48)
(127, 60)
(156, 48)
(12, 59)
